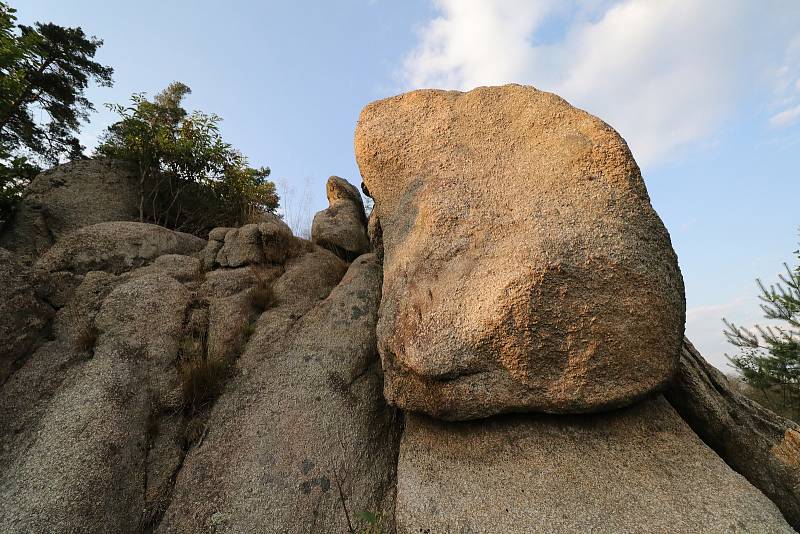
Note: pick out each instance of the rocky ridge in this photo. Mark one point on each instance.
(255, 381)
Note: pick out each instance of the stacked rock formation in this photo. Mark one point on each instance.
(526, 271)
(522, 306)
(153, 381)
(341, 227)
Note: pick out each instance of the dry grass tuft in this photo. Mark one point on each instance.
(262, 297)
(86, 338)
(193, 432)
(202, 378)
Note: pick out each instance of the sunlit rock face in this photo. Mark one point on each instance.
(524, 267)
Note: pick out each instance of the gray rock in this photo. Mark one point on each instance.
(342, 227)
(276, 238)
(242, 246)
(524, 267)
(24, 317)
(81, 467)
(303, 417)
(115, 247)
(639, 469)
(68, 197)
(760, 445)
(266, 242)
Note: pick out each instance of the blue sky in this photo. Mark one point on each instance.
(706, 92)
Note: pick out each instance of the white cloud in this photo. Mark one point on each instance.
(786, 117)
(664, 73)
(787, 86)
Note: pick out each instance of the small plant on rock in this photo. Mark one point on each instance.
(86, 338)
(262, 297)
(201, 377)
(372, 522)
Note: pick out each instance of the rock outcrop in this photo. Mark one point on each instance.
(762, 446)
(116, 247)
(151, 381)
(639, 469)
(75, 453)
(268, 241)
(524, 267)
(68, 197)
(303, 440)
(112, 247)
(342, 227)
(256, 385)
(23, 315)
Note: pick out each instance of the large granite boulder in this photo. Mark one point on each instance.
(524, 267)
(68, 197)
(760, 445)
(342, 226)
(639, 469)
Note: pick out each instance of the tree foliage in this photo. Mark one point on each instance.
(190, 179)
(769, 357)
(44, 71)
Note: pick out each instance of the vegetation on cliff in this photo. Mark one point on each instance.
(769, 356)
(190, 179)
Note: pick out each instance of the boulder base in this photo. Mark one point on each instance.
(640, 469)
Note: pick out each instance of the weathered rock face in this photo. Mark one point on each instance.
(762, 446)
(113, 247)
(23, 315)
(640, 469)
(524, 267)
(304, 425)
(80, 465)
(269, 241)
(342, 227)
(68, 197)
(116, 247)
(111, 381)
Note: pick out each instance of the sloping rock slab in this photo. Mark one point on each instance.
(640, 469)
(81, 467)
(760, 445)
(302, 440)
(116, 247)
(23, 316)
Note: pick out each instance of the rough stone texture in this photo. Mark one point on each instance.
(230, 307)
(524, 267)
(266, 242)
(185, 269)
(375, 234)
(115, 247)
(80, 466)
(640, 469)
(68, 197)
(304, 414)
(760, 445)
(24, 317)
(342, 226)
